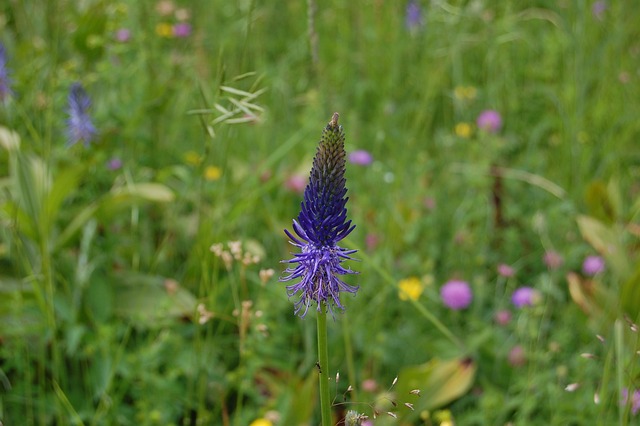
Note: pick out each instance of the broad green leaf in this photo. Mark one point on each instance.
(630, 293)
(599, 202)
(150, 301)
(125, 197)
(117, 200)
(66, 181)
(439, 382)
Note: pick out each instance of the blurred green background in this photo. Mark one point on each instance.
(139, 272)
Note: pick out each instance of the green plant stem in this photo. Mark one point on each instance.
(323, 358)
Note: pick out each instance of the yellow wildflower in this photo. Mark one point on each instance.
(465, 93)
(410, 288)
(463, 130)
(212, 173)
(192, 158)
(444, 417)
(164, 29)
(261, 422)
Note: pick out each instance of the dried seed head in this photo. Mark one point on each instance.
(227, 259)
(216, 249)
(235, 247)
(572, 387)
(265, 275)
(588, 356)
(415, 392)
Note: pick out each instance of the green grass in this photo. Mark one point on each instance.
(113, 309)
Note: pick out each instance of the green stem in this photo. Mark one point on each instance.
(323, 358)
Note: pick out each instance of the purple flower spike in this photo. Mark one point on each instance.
(456, 295)
(598, 8)
(361, 157)
(593, 265)
(79, 125)
(5, 81)
(525, 296)
(321, 224)
(489, 121)
(413, 18)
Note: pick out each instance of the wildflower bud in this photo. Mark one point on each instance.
(79, 125)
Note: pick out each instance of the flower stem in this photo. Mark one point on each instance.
(323, 358)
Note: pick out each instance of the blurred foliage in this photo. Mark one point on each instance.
(138, 287)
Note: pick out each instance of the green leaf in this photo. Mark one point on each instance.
(130, 195)
(439, 383)
(599, 202)
(65, 183)
(630, 294)
(117, 200)
(151, 301)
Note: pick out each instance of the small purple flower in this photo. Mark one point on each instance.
(635, 400)
(502, 317)
(413, 17)
(525, 296)
(490, 121)
(321, 224)
(114, 164)
(598, 8)
(552, 259)
(361, 157)
(123, 35)
(182, 30)
(79, 125)
(505, 271)
(456, 294)
(5, 81)
(593, 265)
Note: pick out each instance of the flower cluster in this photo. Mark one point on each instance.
(321, 224)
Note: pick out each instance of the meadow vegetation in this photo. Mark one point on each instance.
(152, 153)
